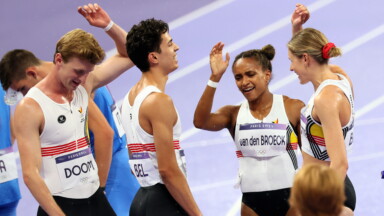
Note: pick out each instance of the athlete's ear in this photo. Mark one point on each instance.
(58, 58)
(31, 71)
(305, 59)
(152, 58)
(268, 76)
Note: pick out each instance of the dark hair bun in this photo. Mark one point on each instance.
(268, 51)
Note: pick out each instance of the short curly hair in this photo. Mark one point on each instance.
(144, 38)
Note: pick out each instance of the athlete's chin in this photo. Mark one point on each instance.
(72, 87)
(249, 96)
(303, 82)
(175, 67)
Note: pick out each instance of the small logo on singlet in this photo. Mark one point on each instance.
(276, 122)
(61, 119)
(80, 110)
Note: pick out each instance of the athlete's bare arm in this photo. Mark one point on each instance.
(114, 66)
(203, 117)
(103, 144)
(158, 110)
(29, 121)
(299, 16)
(328, 110)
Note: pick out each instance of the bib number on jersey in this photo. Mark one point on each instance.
(141, 164)
(144, 169)
(183, 162)
(139, 170)
(262, 139)
(117, 118)
(77, 168)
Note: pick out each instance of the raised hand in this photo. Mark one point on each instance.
(218, 65)
(95, 15)
(299, 16)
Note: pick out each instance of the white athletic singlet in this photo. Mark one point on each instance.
(68, 167)
(143, 160)
(312, 137)
(267, 149)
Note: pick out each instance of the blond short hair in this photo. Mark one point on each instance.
(81, 44)
(317, 191)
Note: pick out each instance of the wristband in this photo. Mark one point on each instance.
(212, 84)
(102, 188)
(109, 26)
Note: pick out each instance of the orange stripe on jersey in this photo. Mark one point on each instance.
(60, 149)
(239, 154)
(292, 146)
(319, 140)
(139, 147)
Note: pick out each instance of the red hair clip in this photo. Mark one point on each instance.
(326, 48)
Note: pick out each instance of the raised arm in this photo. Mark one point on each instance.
(114, 66)
(28, 121)
(103, 140)
(299, 16)
(203, 117)
(162, 122)
(327, 106)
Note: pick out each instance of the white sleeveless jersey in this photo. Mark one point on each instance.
(143, 160)
(312, 137)
(267, 149)
(68, 167)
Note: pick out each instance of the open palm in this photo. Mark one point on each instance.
(218, 65)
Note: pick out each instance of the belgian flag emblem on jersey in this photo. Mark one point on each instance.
(316, 139)
(317, 134)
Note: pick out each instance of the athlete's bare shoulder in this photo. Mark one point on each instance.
(158, 104)
(293, 108)
(338, 70)
(28, 105)
(292, 103)
(157, 100)
(28, 114)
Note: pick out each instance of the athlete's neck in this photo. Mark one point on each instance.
(320, 74)
(154, 78)
(45, 67)
(261, 106)
(52, 86)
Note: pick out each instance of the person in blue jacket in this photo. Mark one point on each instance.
(121, 185)
(9, 185)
